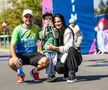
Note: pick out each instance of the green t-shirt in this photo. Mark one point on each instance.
(49, 39)
(25, 39)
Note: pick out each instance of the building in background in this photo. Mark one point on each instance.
(5, 4)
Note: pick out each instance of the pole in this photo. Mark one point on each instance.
(4, 40)
(3, 22)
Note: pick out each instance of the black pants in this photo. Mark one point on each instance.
(73, 60)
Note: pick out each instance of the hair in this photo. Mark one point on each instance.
(63, 28)
(48, 14)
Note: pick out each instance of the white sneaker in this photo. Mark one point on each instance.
(72, 77)
(71, 80)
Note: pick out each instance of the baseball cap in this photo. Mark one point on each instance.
(27, 11)
(47, 14)
(71, 20)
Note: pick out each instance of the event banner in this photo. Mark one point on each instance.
(46, 6)
(83, 12)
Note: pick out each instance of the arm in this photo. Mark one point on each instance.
(14, 40)
(12, 50)
(14, 57)
(53, 32)
(75, 28)
(44, 31)
(68, 42)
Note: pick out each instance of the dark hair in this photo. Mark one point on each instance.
(63, 28)
(47, 14)
(61, 17)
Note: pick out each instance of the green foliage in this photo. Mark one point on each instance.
(13, 16)
(0, 23)
(102, 8)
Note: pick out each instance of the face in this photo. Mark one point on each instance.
(58, 23)
(27, 19)
(72, 24)
(48, 19)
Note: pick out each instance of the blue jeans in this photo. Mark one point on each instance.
(52, 56)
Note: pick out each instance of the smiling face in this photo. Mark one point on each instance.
(58, 23)
(48, 19)
(27, 19)
(72, 24)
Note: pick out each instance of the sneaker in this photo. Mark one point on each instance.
(20, 79)
(21, 75)
(72, 77)
(71, 80)
(51, 78)
(35, 75)
(65, 77)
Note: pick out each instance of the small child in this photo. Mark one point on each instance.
(77, 33)
(48, 36)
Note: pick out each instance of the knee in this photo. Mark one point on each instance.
(10, 62)
(12, 65)
(44, 62)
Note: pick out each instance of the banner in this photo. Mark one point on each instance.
(46, 6)
(83, 12)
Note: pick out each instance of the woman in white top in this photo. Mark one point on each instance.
(65, 42)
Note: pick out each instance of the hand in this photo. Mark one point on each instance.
(16, 61)
(50, 23)
(45, 26)
(49, 47)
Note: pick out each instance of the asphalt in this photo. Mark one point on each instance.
(92, 75)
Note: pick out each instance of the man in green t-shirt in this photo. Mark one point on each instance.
(23, 48)
(48, 36)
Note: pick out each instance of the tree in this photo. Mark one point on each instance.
(102, 8)
(13, 16)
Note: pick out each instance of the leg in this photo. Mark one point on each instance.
(12, 65)
(19, 71)
(43, 63)
(40, 62)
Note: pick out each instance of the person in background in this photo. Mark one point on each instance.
(24, 50)
(102, 32)
(77, 33)
(102, 35)
(48, 36)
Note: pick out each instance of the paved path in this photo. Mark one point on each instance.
(92, 75)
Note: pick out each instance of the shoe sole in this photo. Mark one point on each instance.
(33, 78)
(52, 80)
(20, 81)
(65, 78)
(71, 81)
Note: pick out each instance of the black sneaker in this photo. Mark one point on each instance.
(72, 77)
(65, 77)
(51, 78)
